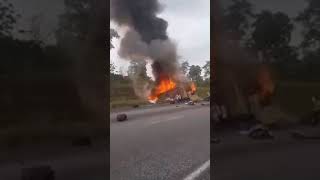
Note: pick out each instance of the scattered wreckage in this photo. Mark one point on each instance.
(258, 132)
(247, 124)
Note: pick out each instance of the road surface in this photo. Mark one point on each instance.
(78, 163)
(168, 143)
(239, 158)
(165, 142)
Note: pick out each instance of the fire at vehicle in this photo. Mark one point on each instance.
(165, 85)
(177, 90)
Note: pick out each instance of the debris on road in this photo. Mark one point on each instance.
(43, 172)
(122, 117)
(190, 103)
(258, 132)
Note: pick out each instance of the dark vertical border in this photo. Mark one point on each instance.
(214, 29)
(107, 75)
(212, 76)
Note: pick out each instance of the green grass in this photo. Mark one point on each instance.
(203, 91)
(123, 95)
(117, 103)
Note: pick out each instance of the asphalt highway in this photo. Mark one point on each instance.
(240, 158)
(165, 142)
(170, 143)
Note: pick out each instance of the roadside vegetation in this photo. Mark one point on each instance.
(289, 45)
(122, 93)
(40, 96)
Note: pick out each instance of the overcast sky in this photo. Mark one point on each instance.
(189, 22)
(189, 27)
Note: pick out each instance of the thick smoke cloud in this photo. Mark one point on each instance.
(146, 37)
(140, 15)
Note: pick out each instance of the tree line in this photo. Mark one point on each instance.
(196, 73)
(40, 77)
(270, 34)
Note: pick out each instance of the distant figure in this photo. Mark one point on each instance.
(315, 110)
(316, 103)
(219, 113)
(216, 118)
(215, 113)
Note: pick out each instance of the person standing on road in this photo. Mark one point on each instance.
(315, 110)
(216, 119)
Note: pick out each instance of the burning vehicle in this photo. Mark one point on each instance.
(176, 92)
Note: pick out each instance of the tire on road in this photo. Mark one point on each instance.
(122, 117)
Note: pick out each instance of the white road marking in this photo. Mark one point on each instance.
(198, 171)
(166, 119)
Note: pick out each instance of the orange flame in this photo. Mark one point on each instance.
(164, 86)
(193, 88)
(266, 84)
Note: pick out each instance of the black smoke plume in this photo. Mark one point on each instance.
(141, 16)
(146, 36)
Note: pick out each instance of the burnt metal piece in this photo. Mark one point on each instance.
(43, 172)
(122, 117)
(190, 103)
(260, 132)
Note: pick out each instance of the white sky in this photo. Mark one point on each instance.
(189, 27)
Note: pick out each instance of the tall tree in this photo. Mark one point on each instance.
(206, 69)
(310, 19)
(185, 67)
(272, 31)
(112, 68)
(113, 34)
(75, 23)
(82, 32)
(8, 18)
(236, 19)
(138, 70)
(195, 73)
